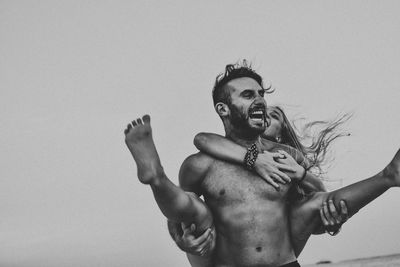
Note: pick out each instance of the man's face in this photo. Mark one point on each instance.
(248, 106)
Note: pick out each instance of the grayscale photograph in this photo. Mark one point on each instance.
(199, 133)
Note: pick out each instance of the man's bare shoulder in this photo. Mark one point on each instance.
(193, 170)
(198, 162)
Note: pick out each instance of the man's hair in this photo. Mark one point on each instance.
(233, 71)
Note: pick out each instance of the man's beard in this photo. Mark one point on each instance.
(240, 122)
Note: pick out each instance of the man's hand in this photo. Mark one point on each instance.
(331, 218)
(271, 169)
(199, 246)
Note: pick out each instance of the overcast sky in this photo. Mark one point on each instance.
(73, 73)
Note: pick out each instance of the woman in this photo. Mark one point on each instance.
(309, 197)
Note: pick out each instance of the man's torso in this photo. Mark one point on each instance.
(251, 217)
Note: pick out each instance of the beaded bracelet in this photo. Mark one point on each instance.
(250, 157)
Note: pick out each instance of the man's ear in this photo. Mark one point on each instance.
(222, 109)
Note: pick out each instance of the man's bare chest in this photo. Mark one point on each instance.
(231, 183)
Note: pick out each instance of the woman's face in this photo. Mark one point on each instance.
(273, 131)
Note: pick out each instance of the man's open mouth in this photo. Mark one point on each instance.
(257, 115)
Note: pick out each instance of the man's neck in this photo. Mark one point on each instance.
(243, 141)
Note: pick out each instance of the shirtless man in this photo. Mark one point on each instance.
(250, 216)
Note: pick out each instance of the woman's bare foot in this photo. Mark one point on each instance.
(139, 139)
(392, 170)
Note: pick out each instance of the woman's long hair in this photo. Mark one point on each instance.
(313, 145)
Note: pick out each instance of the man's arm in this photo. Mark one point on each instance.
(186, 241)
(191, 175)
(331, 218)
(199, 259)
(192, 172)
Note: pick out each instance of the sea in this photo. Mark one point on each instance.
(381, 261)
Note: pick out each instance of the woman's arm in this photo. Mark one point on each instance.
(225, 149)
(275, 167)
(308, 181)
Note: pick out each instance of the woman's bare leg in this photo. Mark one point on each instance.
(305, 218)
(173, 202)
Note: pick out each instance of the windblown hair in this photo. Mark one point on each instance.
(313, 145)
(234, 71)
